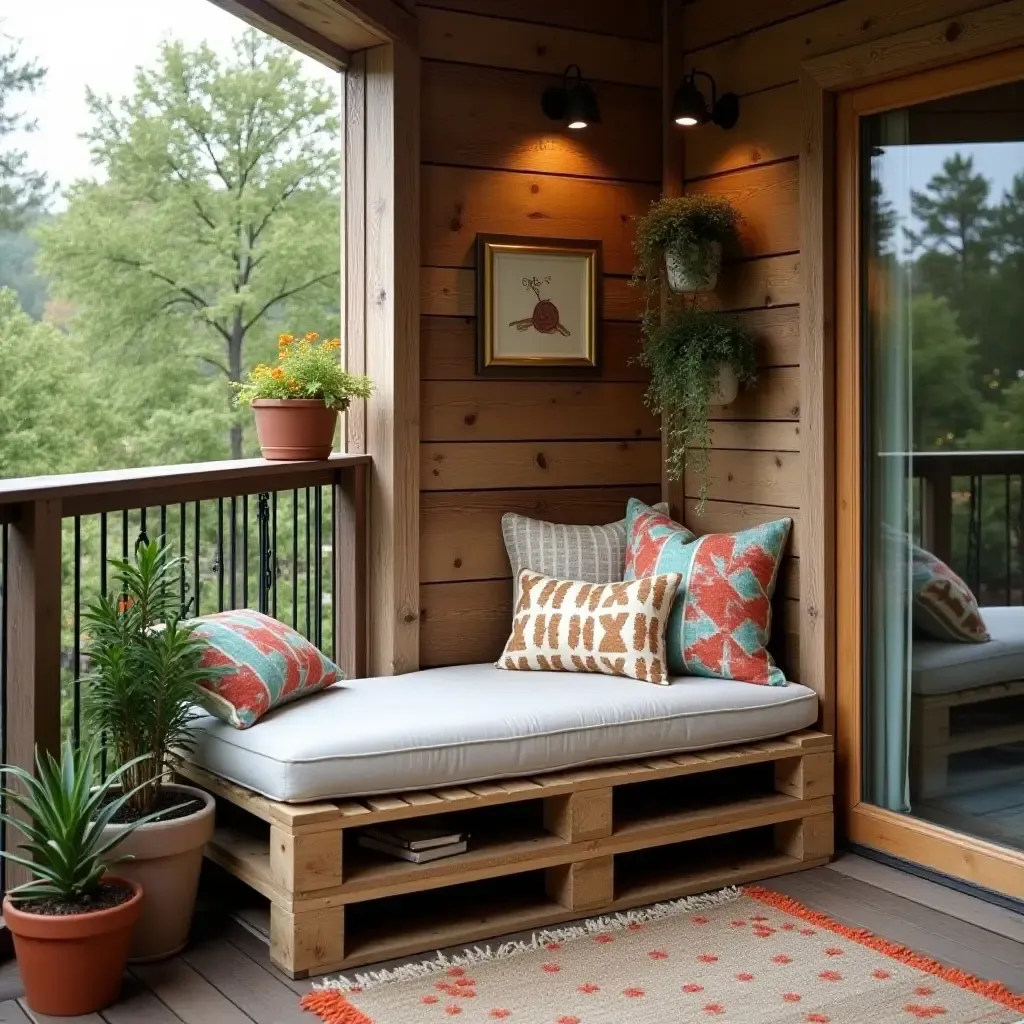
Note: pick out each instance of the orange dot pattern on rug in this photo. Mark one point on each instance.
(750, 957)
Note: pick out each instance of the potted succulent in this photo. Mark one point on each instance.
(697, 359)
(72, 924)
(680, 240)
(144, 674)
(296, 402)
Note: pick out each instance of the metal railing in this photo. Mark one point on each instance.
(972, 517)
(287, 539)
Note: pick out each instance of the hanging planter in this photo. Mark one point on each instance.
(698, 360)
(296, 402)
(681, 241)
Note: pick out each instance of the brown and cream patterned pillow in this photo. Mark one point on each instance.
(571, 626)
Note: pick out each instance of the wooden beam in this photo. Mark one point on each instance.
(350, 583)
(32, 603)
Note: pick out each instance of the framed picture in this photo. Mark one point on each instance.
(539, 307)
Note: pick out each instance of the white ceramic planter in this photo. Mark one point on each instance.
(166, 860)
(728, 386)
(682, 276)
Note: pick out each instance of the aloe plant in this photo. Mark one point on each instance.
(65, 815)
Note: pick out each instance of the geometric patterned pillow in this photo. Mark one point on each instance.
(944, 607)
(617, 629)
(721, 621)
(267, 664)
(594, 554)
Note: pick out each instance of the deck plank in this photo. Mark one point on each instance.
(188, 994)
(42, 1018)
(12, 1013)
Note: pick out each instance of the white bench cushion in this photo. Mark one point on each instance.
(452, 726)
(938, 667)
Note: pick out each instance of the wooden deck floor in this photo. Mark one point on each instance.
(225, 976)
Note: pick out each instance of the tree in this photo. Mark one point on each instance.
(217, 219)
(945, 401)
(46, 414)
(22, 190)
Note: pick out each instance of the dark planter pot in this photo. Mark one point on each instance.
(294, 429)
(73, 965)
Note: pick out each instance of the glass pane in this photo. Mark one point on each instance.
(942, 237)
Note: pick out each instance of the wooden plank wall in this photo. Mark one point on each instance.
(755, 50)
(491, 162)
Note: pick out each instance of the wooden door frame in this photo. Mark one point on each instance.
(958, 54)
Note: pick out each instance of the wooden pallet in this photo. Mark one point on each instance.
(544, 849)
(934, 739)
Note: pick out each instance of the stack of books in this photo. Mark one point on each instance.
(424, 841)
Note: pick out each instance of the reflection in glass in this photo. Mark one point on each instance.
(942, 239)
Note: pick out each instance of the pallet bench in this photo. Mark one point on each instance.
(543, 849)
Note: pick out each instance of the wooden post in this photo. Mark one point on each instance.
(937, 509)
(350, 584)
(32, 605)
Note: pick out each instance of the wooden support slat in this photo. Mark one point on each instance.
(305, 863)
(32, 603)
(807, 839)
(301, 943)
(350, 584)
(585, 885)
(579, 816)
(806, 777)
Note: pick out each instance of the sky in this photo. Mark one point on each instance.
(99, 43)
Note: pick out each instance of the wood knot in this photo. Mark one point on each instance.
(535, 188)
(541, 460)
(542, 50)
(457, 563)
(953, 31)
(382, 297)
(778, 462)
(456, 224)
(469, 419)
(767, 300)
(866, 24)
(409, 617)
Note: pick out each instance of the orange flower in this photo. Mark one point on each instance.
(285, 340)
(333, 343)
(277, 373)
(312, 336)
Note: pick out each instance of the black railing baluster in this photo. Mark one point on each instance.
(182, 549)
(1006, 537)
(295, 559)
(263, 531)
(219, 565)
(233, 566)
(163, 524)
(334, 574)
(245, 550)
(3, 687)
(124, 534)
(318, 622)
(195, 559)
(309, 581)
(76, 613)
(273, 552)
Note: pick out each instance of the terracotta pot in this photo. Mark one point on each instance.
(166, 859)
(294, 428)
(682, 273)
(73, 965)
(728, 386)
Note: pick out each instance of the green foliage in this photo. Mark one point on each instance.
(22, 190)
(688, 227)
(66, 809)
(144, 669)
(216, 217)
(308, 369)
(684, 352)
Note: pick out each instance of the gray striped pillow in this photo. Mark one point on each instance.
(592, 554)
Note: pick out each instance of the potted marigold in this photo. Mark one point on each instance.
(145, 671)
(72, 924)
(296, 402)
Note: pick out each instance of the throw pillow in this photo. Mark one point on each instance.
(571, 626)
(267, 664)
(944, 606)
(594, 554)
(721, 620)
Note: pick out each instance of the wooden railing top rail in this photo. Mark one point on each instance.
(113, 490)
(932, 465)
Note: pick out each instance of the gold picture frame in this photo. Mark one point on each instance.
(538, 306)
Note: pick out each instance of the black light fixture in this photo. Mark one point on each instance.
(689, 107)
(573, 101)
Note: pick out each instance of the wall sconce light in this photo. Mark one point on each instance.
(689, 107)
(573, 101)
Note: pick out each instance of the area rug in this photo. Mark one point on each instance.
(749, 956)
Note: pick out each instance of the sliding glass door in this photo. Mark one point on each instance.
(932, 253)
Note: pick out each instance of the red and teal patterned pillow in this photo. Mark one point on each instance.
(944, 606)
(721, 620)
(266, 664)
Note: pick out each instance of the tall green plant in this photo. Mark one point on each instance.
(65, 814)
(144, 670)
(684, 350)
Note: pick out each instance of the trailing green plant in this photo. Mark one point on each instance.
(66, 809)
(305, 368)
(686, 226)
(685, 350)
(144, 670)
